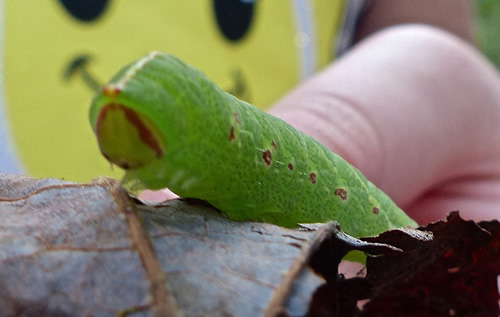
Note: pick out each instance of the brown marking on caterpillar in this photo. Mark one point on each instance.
(231, 134)
(237, 118)
(111, 91)
(312, 178)
(267, 156)
(376, 210)
(342, 193)
(290, 166)
(274, 145)
(145, 134)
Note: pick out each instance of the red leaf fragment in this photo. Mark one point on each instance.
(453, 275)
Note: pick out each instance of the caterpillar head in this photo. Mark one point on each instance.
(126, 137)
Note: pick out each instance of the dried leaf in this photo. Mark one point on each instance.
(455, 274)
(90, 249)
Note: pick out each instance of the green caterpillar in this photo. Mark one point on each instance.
(168, 125)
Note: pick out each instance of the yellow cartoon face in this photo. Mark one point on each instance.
(58, 53)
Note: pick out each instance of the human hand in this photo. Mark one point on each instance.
(417, 111)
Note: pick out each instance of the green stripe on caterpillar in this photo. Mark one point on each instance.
(168, 125)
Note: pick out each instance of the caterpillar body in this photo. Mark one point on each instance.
(168, 125)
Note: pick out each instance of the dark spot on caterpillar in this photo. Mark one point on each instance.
(274, 145)
(237, 118)
(267, 157)
(342, 193)
(376, 210)
(231, 134)
(290, 166)
(312, 178)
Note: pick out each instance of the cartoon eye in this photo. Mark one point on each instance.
(85, 10)
(234, 17)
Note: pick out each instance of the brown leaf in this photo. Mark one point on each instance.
(90, 249)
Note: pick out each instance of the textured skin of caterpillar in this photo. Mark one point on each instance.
(168, 125)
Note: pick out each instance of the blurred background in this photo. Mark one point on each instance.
(54, 56)
(488, 29)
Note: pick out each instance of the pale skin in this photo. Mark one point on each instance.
(414, 107)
